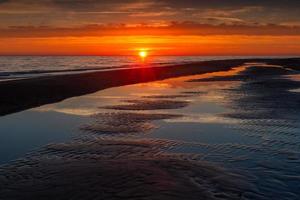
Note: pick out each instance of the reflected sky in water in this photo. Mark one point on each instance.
(28, 130)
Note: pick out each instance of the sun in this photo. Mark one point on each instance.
(143, 54)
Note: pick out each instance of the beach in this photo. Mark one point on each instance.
(226, 129)
(28, 93)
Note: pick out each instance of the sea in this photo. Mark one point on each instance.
(16, 67)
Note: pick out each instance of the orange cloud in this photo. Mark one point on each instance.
(174, 28)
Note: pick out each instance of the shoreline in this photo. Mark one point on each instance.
(23, 94)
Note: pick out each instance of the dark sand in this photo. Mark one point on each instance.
(20, 95)
(125, 123)
(108, 169)
(157, 104)
(167, 96)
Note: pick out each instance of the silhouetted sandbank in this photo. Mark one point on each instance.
(18, 95)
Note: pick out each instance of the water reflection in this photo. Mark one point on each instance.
(23, 132)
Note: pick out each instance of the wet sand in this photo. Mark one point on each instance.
(103, 169)
(18, 95)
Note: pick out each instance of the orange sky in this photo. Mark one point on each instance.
(162, 27)
(155, 45)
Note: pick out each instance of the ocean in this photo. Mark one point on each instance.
(15, 67)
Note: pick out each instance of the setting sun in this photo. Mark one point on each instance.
(143, 54)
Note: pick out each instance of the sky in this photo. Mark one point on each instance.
(161, 27)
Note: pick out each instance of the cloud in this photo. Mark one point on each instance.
(291, 23)
(75, 13)
(228, 12)
(174, 28)
(80, 5)
(139, 5)
(225, 20)
(153, 14)
(228, 15)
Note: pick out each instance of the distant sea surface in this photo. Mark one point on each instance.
(15, 67)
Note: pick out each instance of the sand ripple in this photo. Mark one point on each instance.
(265, 108)
(167, 96)
(125, 123)
(104, 169)
(143, 104)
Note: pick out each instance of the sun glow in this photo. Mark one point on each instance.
(143, 54)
